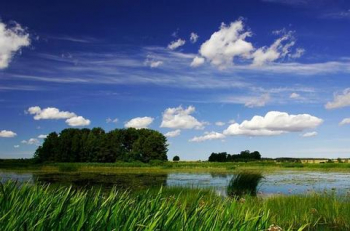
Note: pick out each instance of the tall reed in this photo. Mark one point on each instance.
(244, 183)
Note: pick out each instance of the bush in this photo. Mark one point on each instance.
(176, 158)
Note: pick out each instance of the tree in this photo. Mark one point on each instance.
(243, 156)
(85, 145)
(176, 158)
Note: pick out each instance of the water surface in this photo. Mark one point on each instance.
(281, 182)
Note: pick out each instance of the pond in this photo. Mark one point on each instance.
(281, 182)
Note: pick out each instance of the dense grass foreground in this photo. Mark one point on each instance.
(43, 208)
(35, 208)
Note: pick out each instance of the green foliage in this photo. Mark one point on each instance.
(244, 183)
(176, 158)
(85, 145)
(243, 156)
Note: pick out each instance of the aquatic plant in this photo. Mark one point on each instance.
(35, 207)
(41, 208)
(244, 183)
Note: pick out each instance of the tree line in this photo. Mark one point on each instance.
(243, 156)
(95, 145)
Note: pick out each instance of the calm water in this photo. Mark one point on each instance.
(282, 182)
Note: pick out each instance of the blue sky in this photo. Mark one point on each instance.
(266, 75)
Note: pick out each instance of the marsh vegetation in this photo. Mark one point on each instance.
(35, 207)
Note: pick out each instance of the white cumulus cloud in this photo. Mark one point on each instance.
(72, 119)
(208, 136)
(274, 123)
(226, 44)
(49, 113)
(309, 134)
(194, 37)
(139, 122)
(42, 136)
(78, 121)
(12, 39)
(197, 61)
(279, 49)
(229, 44)
(180, 118)
(7, 134)
(345, 121)
(16, 146)
(295, 96)
(340, 100)
(31, 141)
(176, 44)
(173, 133)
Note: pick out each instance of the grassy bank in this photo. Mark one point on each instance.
(41, 208)
(166, 167)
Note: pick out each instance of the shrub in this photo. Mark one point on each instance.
(176, 158)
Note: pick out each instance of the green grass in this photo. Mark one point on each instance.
(31, 207)
(36, 208)
(164, 167)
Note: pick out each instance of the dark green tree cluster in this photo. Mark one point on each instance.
(243, 156)
(95, 145)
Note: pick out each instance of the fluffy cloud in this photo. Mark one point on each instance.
(219, 123)
(340, 100)
(16, 146)
(31, 141)
(258, 101)
(173, 133)
(78, 121)
(139, 122)
(12, 39)
(194, 37)
(42, 136)
(274, 123)
(197, 61)
(229, 43)
(176, 44)
(49, 113)
(226, 44)
(279, 49)
(309, 134)
(345, 121)
(7, 134)
(109, 120)
(54, 113)
(180, 118)
(208, 136)
(294, 96)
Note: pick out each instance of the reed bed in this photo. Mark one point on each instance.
(35, 207)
